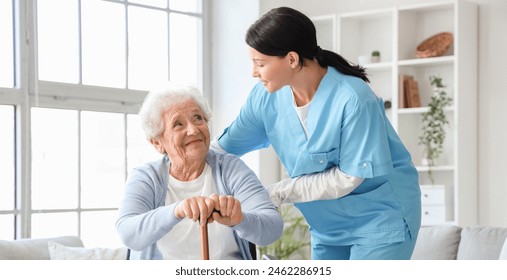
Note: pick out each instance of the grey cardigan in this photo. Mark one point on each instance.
(144, 219)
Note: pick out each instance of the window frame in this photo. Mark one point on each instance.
(29, 92)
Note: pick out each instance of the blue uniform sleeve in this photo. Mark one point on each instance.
(247, 132)
(365, 148)
(262, 223)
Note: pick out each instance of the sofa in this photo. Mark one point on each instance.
(57, 248)
(442, 242)
(450, 242)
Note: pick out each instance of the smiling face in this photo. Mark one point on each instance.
(273, 71)
(186, 136)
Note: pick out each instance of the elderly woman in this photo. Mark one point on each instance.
(164, 200)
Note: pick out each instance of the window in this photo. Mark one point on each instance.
(69, 133)
(7, 163)
(118, 44)
(78, 170)
(7, 43)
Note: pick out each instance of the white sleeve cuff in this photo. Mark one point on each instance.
(330, 184)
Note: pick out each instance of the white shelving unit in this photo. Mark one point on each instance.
(396, 32)
(326, 31)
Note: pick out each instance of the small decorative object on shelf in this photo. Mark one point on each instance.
(435, 45)
(402, 100)
(433, 122)
(363, 59)
(412, 97)
(387, 104)
(375, 56)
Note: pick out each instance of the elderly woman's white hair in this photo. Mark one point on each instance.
(158, 101)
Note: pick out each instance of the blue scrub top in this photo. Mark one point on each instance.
(347, 127)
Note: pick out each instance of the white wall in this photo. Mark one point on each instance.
(492, 113)
(492, 56)
(231, 75)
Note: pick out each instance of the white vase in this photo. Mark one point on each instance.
(425, 161)
(363, 59)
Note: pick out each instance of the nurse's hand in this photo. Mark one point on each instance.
(227, 210)
(194, 208)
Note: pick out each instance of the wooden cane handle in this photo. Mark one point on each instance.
(204, 240)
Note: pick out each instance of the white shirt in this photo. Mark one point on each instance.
(302, 112)
(183, 242)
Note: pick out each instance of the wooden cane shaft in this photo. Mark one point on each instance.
(204, 240)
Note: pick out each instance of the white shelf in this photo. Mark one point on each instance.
(378, 66)
(449, 59)
(396, 32)
(435, 168)
(420, 110)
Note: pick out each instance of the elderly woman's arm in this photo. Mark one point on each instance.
(141, 221)
(262, 223)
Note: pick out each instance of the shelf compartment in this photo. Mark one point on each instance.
(422, 72)
(362, 33)
(417, 23)
(409, 130)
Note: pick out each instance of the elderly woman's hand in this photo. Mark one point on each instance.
(227, 210)
(194, 208)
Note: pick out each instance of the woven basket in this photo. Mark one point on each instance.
(435, 45)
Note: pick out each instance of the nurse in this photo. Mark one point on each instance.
(351, 176)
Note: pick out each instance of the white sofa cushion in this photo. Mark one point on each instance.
(60, 252)
(503, 253)
(33, 249)
(437, 243)
(481, 243)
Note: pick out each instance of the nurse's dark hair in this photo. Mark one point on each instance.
(283, 29)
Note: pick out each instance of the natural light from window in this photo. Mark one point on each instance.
(102, 141)
(184, 47)
(6, 51)
(103, 33)
(6, 158)
(148, 56)
(185, 5)
(105, 38)
(58, 42)
(89, 173)
(54, 158)
(71, 84)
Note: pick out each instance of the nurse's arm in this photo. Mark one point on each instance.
(330, 184)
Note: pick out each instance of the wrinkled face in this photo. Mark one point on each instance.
(273, 71)
(186, 134)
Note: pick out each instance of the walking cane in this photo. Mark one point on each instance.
(204, 239)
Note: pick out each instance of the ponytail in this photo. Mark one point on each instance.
(328, 58)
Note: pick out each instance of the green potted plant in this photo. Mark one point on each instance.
(375, 56)
(433, 124)
(295, 239)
